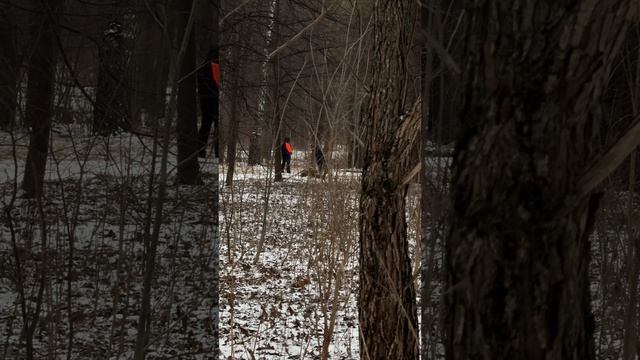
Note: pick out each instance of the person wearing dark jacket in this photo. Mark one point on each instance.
(319, 156)
(208, 92)
(286, 150)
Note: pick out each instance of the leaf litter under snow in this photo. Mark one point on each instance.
(106, 279)
(279, 308)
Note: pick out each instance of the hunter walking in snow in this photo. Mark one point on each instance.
(286, 150)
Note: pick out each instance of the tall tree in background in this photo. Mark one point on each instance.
(111, 107)
(276, 119)
(39, 108)
(518, 248)
(256, 153)
(9, 65)
(187, 125)
(150, 71)
(235, 69)
(441, 24)
(387, 309)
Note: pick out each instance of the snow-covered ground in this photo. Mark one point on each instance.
(99, 290)
(296, 299)
(302, 291)
(280, 306)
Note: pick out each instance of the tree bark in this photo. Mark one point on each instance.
(151, 67)
(518, 249)
(276, 122)
(630, 340)
(8, 70)
(254, 148)
(187, 124)
(152, 236)
(111, 112)
(261, 141)
(426, 57)
(39, 107)
(234, 98)
(386, 301)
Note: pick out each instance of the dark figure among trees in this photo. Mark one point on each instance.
(286, 150)
(208, 91)
(320, 161)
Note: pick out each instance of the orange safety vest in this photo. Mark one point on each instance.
(215, 70)
(289, 148)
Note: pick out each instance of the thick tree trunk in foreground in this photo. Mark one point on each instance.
(518, 250)
(187, 124)
(386, 302)
(39, 109)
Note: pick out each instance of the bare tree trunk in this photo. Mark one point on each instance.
(386, 302)
(425, 291)
(258, 139)
(630, 342)
(151, 69)
(8, 70)
(43, 272)
(518, 248)
(39, 115)
(275, 95)
(233, 136)
(152, 239)
(39, 109)
(355, 142)
(111, 112)
(254, 148)
(187, 125)
(277, 159)
(234, 94)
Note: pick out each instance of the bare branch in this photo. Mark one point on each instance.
(611, 160)
(236, 9)
(444, 55)
(295, 37)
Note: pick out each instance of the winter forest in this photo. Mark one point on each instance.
(319, 179)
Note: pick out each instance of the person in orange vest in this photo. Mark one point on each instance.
(286, 150)
(208, 92)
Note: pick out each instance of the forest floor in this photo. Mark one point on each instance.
(296, 301)
(95, 207)
(299, 298)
